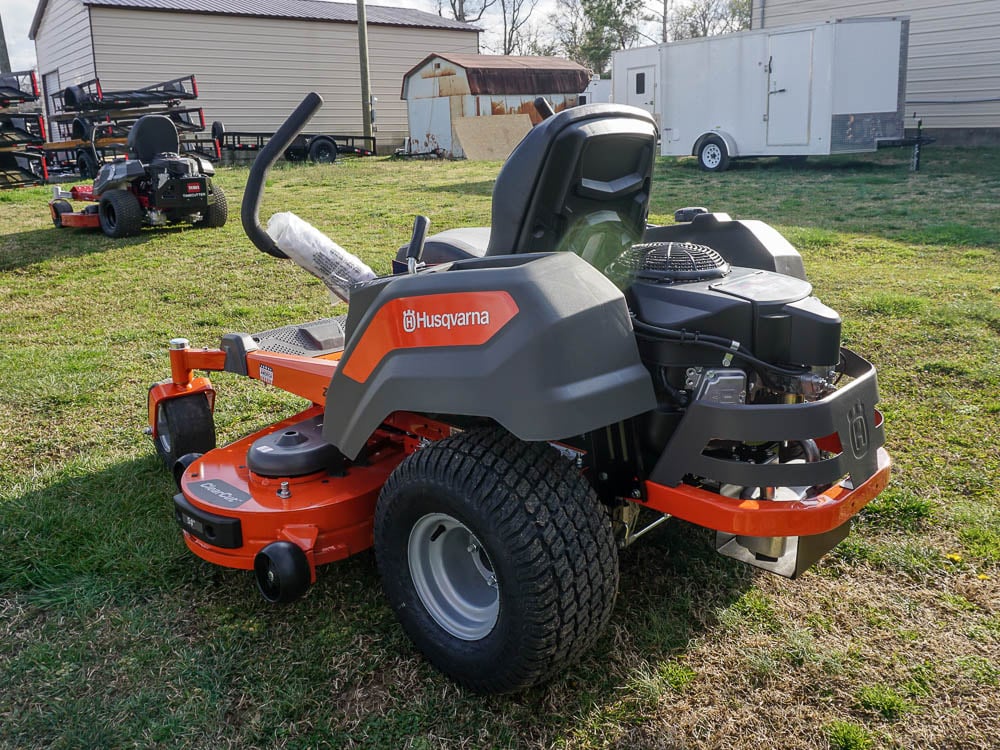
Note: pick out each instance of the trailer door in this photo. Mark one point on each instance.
(789, 90)
(641, 88)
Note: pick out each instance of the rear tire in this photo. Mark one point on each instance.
(120, 214)
(322, 151)
(216, 214)
(497, 557)
(60, 207)
(184, 425)
(713, 156)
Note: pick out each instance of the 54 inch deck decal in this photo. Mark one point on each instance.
(454, 319)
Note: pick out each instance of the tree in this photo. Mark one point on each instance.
(589, 31)
(468, 11)
(710, 17)
(514, 15)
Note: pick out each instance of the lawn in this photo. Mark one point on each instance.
(113, 635)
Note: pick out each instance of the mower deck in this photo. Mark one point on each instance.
(330, 517)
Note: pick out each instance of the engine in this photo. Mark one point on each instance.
(708, 330)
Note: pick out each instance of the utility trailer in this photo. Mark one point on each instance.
(828, 88)
(21, 132)
(93, 124)
(315, 147)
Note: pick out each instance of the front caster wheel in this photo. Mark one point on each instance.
(497, 557)
(282, 572)
(184, 425)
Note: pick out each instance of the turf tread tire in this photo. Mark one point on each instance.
(128, 214)
(216, 214)
(549, 539)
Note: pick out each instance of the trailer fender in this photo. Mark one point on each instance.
(726, 138)
(540, 343)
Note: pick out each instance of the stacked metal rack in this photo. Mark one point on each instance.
(21, 132)
(93, 124)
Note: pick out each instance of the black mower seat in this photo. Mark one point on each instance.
(577, 181)
(152, 135)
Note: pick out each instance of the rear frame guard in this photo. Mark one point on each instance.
(846, 422)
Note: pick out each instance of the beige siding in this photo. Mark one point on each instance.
(392, 52)
(954, 52)
(252, 72)
(62, 43)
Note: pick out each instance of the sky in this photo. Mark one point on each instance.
(16, 16)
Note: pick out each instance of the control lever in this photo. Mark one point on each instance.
(416, 249)
(543, 108)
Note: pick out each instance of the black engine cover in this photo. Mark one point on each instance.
(771, 314)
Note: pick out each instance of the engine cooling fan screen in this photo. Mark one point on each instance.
(670, 261)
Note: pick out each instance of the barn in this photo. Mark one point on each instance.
(953, 70)
(254, 61)
(484, 103)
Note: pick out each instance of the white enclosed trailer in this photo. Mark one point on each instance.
(828, 88)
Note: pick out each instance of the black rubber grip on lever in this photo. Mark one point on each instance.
(420, 226)
(268, 155)
(544, 108)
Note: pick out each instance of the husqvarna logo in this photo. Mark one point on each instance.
(413, 319)
(858, 430)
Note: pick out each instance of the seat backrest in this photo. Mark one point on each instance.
(152, 135)
(577, 181)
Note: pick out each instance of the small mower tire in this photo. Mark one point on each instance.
(713, 156)
(282, 572)
(60, 207)
(120, 214)
(216, 214)
(322, 150)
(184, 425)
(497, 557)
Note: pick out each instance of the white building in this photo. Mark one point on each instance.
(953, 73)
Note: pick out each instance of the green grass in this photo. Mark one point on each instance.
(113, 635)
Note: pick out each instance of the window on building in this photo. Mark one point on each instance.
(640, 83)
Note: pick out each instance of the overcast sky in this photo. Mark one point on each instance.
(16, 16)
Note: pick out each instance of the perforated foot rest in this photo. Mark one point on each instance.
(306, 339)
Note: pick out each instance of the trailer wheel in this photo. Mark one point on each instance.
(60, 207)
(713, 156)
(120, 213)
(184, 425)
(282, 572)
(86, 165)
(497, 557)
(322, 150)
(218, 130)
(217, 213)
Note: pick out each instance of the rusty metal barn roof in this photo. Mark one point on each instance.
(512, 74)
(311, 10)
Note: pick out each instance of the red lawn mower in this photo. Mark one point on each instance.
(152, 186)
(517, 403)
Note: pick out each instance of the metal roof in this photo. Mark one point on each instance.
(513, 74)
(310, 10)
